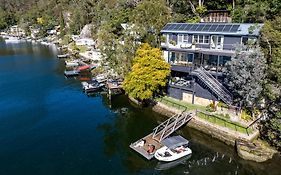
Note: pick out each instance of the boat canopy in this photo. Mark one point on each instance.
(175, 141)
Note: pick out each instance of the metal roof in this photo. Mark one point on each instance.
(175, 141)
(213, 28)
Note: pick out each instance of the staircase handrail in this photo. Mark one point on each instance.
(216, 81)
(215, 85)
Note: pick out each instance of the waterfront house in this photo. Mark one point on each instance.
(198, 53)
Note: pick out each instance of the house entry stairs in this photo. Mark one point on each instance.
(214, 85)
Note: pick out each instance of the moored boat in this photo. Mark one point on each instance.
(174, 148)
(71, 73)
(91, 86)
(72, 63)
(81, 68)
(101, 78)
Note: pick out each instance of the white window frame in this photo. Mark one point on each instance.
(198, 39)
(182, 38)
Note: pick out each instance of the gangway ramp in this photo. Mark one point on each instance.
(159, 133)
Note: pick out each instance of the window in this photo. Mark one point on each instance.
(195, 38)
(201, 39)
(182, 38)
(206, 39)
(185, 38)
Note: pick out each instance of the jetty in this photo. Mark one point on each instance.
(159, 133)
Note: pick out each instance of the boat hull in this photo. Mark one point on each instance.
(160, 154)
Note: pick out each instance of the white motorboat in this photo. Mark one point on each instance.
(72, 63)
(101, 78)
(174, 148)
(91, 86)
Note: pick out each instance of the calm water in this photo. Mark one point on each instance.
(49, 127)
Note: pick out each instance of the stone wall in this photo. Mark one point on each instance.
(224, 134)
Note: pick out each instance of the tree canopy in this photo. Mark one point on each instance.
(149, 73)
(271, 44)
(245, 74)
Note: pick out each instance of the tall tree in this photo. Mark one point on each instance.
(148, 18)
(149, 73)
(271, 44)
(245, 74)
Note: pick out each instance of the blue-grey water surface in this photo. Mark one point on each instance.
(49, 127)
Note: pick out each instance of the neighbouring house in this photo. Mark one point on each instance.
(217, 16)
(16, 31)
(198, 53)
(85, 42)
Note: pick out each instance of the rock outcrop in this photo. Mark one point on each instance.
(86, 32)
(255, 151)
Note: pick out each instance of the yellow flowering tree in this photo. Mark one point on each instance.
(149, 73)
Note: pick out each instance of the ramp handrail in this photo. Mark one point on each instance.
(169, 126)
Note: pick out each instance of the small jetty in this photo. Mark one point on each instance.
(162, 131)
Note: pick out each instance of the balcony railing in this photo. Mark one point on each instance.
(197, 47)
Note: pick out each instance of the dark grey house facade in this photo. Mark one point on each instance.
(198, 53)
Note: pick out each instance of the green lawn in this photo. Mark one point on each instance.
(180, 104)
(225, 123)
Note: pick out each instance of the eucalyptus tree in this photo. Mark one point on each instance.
(271, 44)
(245, 74)
(148, 18)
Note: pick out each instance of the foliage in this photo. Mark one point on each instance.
(148, 18)
(149, 73)
(245, 74)
(246, 115)
(271, 130)
(271, 44)
(255, 11)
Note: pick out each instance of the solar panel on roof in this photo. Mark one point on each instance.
(194, 26)
(203, 27)
(181, 27)
(227, 28)
(173, 26)
(188, 26)
(166, 27)
(207, 27)
(234, 28)
(199, 28)
(219, 28)
(213, 28)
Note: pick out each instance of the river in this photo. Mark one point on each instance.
(48, 126)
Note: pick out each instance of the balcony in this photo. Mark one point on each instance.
(223, 50)
(181, 83)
